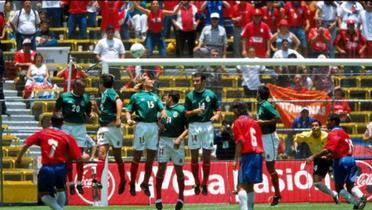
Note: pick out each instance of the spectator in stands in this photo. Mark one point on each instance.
(297, 83)
(37, 77)
(2, 71)
(242, 13)
(285, 50)
(24, 58)
(322, 76)
(367, 136)
(211, 7)
(139, 20)
(212, 37)
(92, 8)
(256, 34)
(271, 15)
(76, 73)
(311, 12)
(25, 24)
(284, 33)
(327, 11)
(251, 75)
(319, 38)
(168, 20)
(155, 23)
(54, 12)
(225, 142)
(110, 48)
(77, 16)
(9, 13)
(349, 10)
(341, 108)
(125, 21)
(227, 13)
(185, 25)
(110, 16)
(298, 22)
(366, 22)
(45, 37)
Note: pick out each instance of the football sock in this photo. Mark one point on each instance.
(133, 171)
(100, 166)
(356, 192)
(51, 202)
(348, 197)
(148, 169)
(243, 200)
(275, 182)
(61, 198)
(322, 187)
(250, 201)
(121, 169)
(158, 184)
(79, 169)
(69, 171)
(181, 187)
(195, 172)
(206, 171)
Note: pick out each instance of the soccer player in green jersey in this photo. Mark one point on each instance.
(200, 104)
(267, 117)
(110, 131)
(172, 132)
(75, 107)
(146, 105)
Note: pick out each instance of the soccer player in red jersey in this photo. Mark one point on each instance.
(249, 149)
(340, 147)
(56, 146)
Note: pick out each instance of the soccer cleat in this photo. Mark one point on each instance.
(80, 189)
(121, 187)
(276, 199)
(146, 189)
(197, 189)
(159, 205)
(72, 189)
(96, 184)
(132, 189)
(336, 199)
(179, 204)
(362, 203)
(204, 190)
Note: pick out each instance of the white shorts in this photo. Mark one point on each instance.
(167, 152)
(111, 135)
(146, 136)
(201, 135)
(271, 144)
(78, 131)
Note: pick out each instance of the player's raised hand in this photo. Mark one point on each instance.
(163, 114)
(131, 122)
(309, 159)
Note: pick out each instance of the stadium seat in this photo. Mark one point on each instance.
(360, 117)
(357, 93)
(365, 106)
(8, 162)
(9, 139)
(20, 192)
(366, 81)
(11, 151)
(181, 81)
(18, 174)
(232, 93)
(349, 81)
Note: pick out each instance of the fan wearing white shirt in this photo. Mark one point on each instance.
(366, 20)
(285, 51)
(250, 75)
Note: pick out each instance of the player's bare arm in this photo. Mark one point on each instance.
(179, 139)
(119, 107)
(21, 153)
(163, 114)
(128, 116)
(216, 117)
(193, 112)
(324, 152)
(238, 148)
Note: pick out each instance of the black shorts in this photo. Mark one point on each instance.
(322, 167)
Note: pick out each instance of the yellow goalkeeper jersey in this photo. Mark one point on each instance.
(315, 144)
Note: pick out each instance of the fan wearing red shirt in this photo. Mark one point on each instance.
(242, 13)
(155, 19)
(256, 34)
(76, 73)
(56, 148)
(249, 149)
(271, 16)
(24, 58)
(77, 16)
(340, 147)
(319, 38)
(110, 15)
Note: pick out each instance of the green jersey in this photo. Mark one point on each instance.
(108, 106)
(146, 105)
(175, 122)
(74, 108)
(206, 99)
(266, 111)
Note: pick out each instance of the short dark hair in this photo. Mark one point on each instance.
(199, 74)
(57, 120)
(174, 95)
(110, 28)
(317, 121)
(107, 80)
(336, 118)
(285, 40)
(263, 92)
(240, 106)
(292, 55)
(79, 82)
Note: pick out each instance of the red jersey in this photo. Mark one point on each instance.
(271, 16)
(22, 57)
(248, 132)
(351, 43)
(245, 10)
(155, 21)
(170, 5)
(76, 7)
(296, 16)
(320, 44)
(228, 12)
(75, 74)
(110, 14)
(257, 36)
(56, 146)
(339, 143)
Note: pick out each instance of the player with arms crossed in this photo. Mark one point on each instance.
(267, 117)
(56, 147)
(316, 139)
(75, 107)
(146, 105)
(110, 131)
(200, 105)
(340, 147)
(249, 149)
(172, 132)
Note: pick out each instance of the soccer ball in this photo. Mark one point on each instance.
(137, 50)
